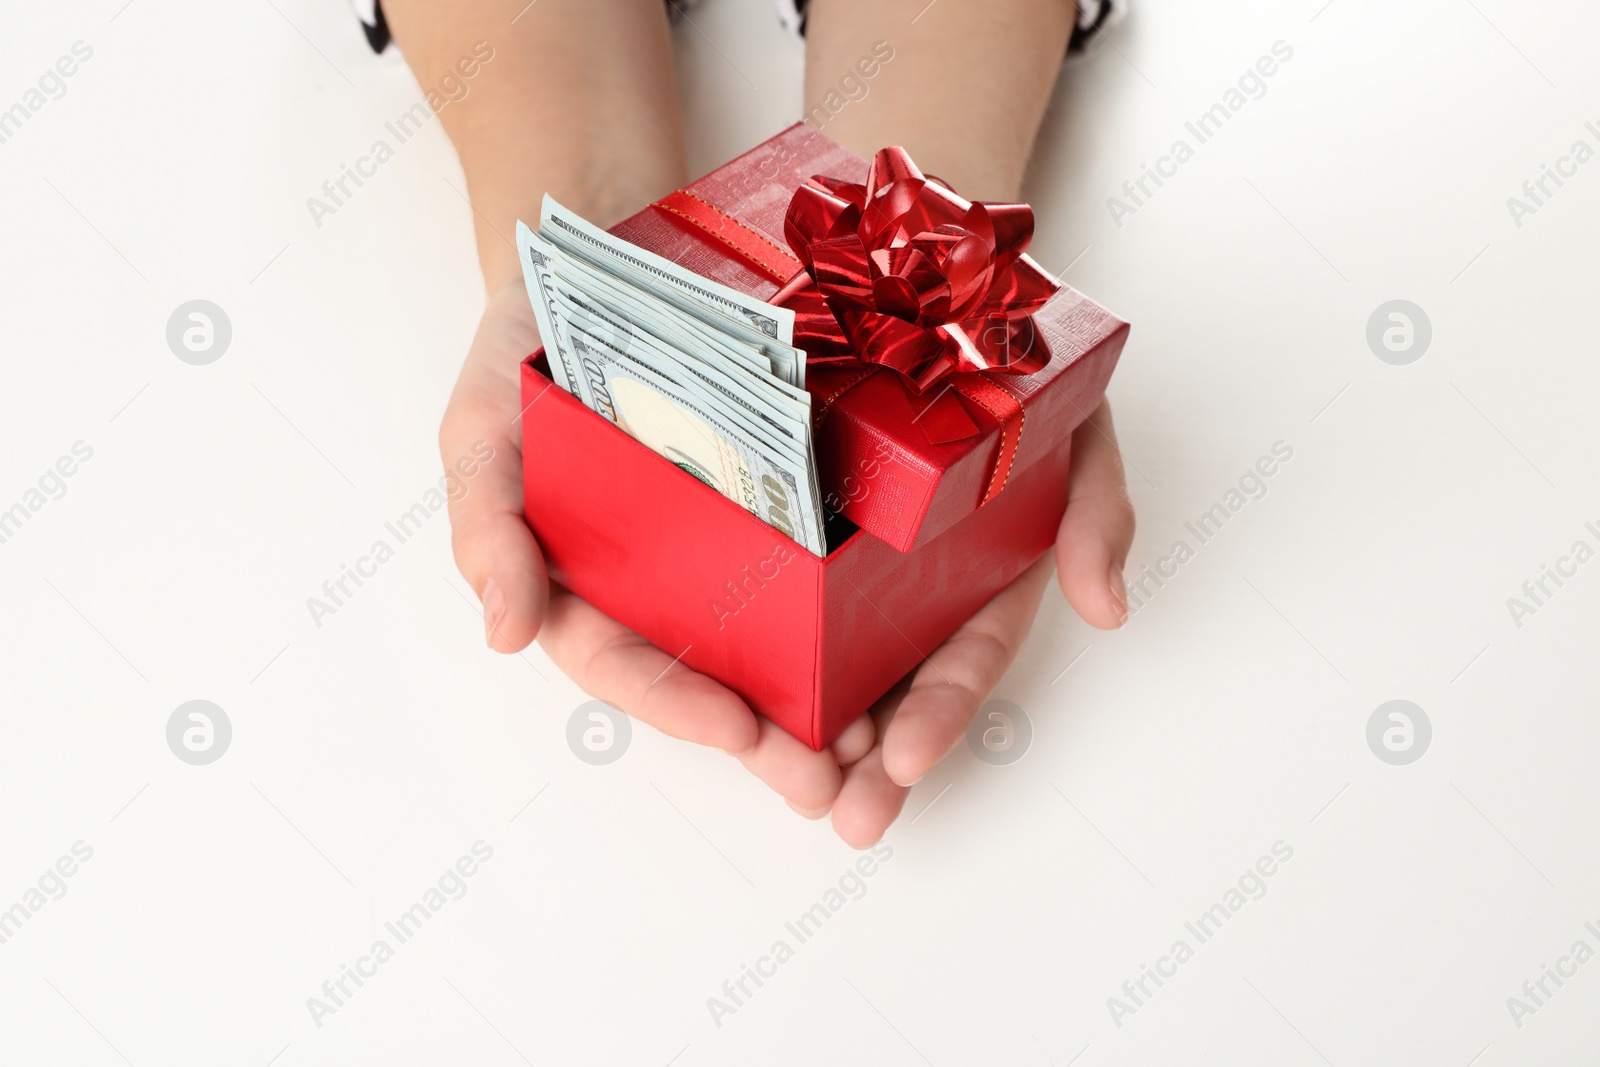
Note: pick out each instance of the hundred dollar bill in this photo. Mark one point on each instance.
(757, 396)
(772, 327)
(788, 447)
(539, 259)
(761, 435)
(768, 405)
(681, 331)
(659, 414)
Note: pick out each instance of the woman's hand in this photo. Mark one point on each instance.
(500, 559)
(918, 723)
(497, 554)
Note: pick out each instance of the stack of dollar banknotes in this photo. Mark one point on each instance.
(699, 373)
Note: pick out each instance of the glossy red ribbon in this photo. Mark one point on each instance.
(904, 273)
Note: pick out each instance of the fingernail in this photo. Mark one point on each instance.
(494, 609)
(1119, 593)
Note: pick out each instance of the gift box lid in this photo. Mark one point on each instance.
(902, 465)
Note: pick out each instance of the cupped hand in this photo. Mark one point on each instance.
(864, 776)
(497, 554)
(923, 718)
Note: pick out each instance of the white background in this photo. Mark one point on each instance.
(368, 754)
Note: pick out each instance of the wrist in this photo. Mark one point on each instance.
(604, 202)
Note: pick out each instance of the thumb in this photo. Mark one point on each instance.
(494, 549)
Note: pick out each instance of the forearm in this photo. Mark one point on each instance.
(578, 101)
(964, 93)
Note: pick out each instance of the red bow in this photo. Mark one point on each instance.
(903, 273)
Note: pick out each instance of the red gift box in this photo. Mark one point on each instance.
(945, 524)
